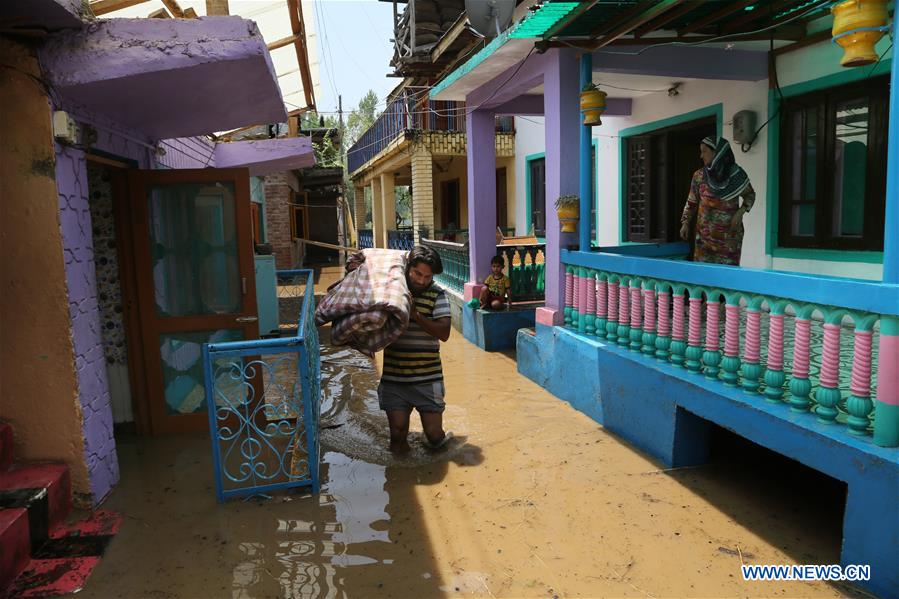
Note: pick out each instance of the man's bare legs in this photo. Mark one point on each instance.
(398, 420)
(432, 424)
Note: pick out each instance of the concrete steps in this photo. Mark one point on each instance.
(34, 497)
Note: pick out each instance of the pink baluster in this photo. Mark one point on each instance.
(601, 299)
(678, 347)
(590, 320)
(649, 320)
(569, 295)
(636, 317)
(861, 364)
(774, 374)
(800, 387)
(664, 327)
(730, 364)
(583, 298)
(612, 322)
(711, 357)
(694, 339)
(623, 314)
(828, 393)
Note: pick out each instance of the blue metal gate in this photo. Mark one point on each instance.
(263, 398)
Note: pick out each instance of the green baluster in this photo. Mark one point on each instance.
(663, 329)
(800, 386)
(636, 301)
(730, 362)
(828, 394)
(612, 322)
(774, 372)
(751, 369)
(693, 354)
(590, 302)
(624, 312)
(678, 347)
(582, 304)
(649, 317)
(859, 404)
(602, 306)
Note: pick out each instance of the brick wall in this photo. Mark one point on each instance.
(277, 218)
(422, 191)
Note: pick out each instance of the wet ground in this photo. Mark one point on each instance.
(532, 499)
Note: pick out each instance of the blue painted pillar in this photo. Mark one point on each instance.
(891, 222)
(586, 141)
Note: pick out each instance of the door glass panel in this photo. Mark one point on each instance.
(182, 369)
(850, 166)
(810, 159)
(193, 246)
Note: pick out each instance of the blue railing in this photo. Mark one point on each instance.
(400, 240)
(366, 239)
(263, 399)
(454, 257)
(412, 111)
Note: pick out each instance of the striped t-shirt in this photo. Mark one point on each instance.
(415, 357)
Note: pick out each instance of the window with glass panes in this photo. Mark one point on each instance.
(833, 167)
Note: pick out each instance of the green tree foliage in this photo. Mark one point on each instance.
(403, 205)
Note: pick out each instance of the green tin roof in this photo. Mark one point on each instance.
(533, 26)
(543, 19)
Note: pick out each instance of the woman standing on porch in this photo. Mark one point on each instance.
(714, 201)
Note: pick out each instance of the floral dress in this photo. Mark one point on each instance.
(714, 241)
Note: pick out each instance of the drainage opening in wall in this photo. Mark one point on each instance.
(791, 506)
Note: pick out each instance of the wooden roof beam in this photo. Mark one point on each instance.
(284, 41)
(174, 8)
(159, 14)
(647, 12)
(715, 16)
(101, 7)
(217, 7)
(298, 28)
(668, 17)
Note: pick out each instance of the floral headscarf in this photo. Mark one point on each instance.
(725, 177)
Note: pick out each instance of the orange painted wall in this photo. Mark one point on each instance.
(38, 385)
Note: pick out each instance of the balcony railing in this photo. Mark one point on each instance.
(411, 110)
(454, 257)
(400, 240)
(366, 238)
(797, 347)
(524, 265)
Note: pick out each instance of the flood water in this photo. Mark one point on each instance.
(532, 499)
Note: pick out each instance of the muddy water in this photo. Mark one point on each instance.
(532, 500)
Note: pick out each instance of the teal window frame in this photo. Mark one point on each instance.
(528, 215)
(715, 110)
(773, 190)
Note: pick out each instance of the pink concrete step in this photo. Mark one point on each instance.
(6, 452)
(29, 479)
(15, 544)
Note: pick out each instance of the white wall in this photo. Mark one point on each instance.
(809, 63)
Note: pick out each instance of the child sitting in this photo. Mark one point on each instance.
(496, 286)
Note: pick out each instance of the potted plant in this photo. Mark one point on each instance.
(593, 104)
(857, 26)
(568, 208)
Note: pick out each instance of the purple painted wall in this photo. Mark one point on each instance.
(75, 224)
(266, 156)
(90, 363)
(481, 132)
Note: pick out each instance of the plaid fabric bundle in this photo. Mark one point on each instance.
(369, 308)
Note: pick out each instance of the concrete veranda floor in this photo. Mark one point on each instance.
(533, 499)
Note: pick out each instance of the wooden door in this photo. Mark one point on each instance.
(193, 254)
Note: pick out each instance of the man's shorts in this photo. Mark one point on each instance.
(424, 397)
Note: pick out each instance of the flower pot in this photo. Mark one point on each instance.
(857, 26)
(593, 104)
(568, 216)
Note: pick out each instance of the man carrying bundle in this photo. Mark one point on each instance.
(413, 375)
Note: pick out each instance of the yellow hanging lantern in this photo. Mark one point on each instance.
(857, 26)
(593, 104)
